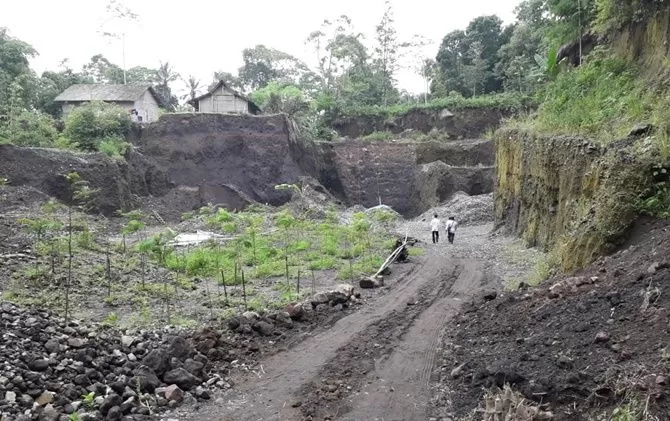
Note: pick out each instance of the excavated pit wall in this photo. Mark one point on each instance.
(118, 183)
(568, 194)
(184, 161)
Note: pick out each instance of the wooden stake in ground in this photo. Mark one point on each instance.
(225, 291)
(297, 286)
(313, 283)
(244, 290)
(209, 299)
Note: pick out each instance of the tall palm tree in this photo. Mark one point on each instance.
(165, 75)
(192, 84)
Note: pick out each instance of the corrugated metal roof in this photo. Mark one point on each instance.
(99, 92)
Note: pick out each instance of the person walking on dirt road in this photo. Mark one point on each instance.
(435, 228)
(451, 226)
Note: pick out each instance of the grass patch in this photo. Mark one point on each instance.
(288, 246)
(415, 251)
(602, 99)
(378, 136)
(545, 268)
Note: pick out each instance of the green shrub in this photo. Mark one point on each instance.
(29, 128)
(114, 147)
(503, 101)
(600, 98)
(91, 123)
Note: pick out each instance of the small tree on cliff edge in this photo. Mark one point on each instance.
(81, 196)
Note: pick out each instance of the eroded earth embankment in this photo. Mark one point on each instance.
(185, 161)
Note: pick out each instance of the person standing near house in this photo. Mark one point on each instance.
(451, 226)
(435, 228)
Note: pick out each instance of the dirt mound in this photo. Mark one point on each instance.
(580, 345)
(468, 210)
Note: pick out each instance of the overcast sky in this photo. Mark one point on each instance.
(199, 37)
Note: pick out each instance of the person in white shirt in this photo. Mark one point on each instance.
(451, 226)
(435, 227)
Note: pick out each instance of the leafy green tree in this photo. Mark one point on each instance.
(476, 72)
(449, 61)
(570, 19)
(101, 70)
(228, 78)
(90, 124)
(18, 82)
(140, 75)
(281, 98)
(517, 66)
(476, 49)
(263, 65)
(192, 84)
(338, 49)
(29, 128)
(52, 83)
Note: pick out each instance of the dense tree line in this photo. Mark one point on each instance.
(350, 72)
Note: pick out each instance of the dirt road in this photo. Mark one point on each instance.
(374, 364)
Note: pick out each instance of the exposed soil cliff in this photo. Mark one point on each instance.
(118, 181)
(184, 161)
(232, 159)
(408, 176)
(568, 193)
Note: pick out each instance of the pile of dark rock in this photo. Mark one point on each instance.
(277, 323)
(50, 370)
(56, 371)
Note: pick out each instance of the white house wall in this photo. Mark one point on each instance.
(147, 107)
(223, 101)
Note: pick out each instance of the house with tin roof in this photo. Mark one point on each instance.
(141, 101)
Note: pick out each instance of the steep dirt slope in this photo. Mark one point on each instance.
(118, 182)
(232, 159)
(408, 176)
(580, 345)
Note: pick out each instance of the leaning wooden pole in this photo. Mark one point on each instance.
(392, 257)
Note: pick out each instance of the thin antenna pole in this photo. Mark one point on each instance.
(123, 53)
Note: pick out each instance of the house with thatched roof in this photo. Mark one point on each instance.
(224, 99)
(141, 101)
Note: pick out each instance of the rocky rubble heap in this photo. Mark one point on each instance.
(466, 209)
(50, 370)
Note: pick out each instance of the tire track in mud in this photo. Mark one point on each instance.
(270, 394)
(328, 394)
(399, 390)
